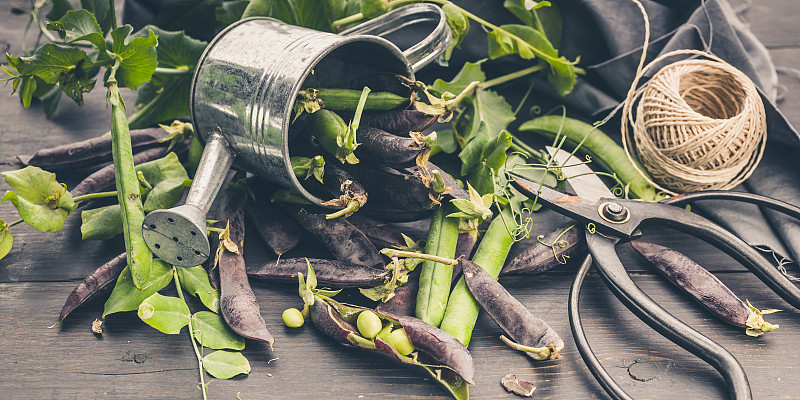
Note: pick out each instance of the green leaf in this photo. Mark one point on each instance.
(231, 11)
(66, 66)
(41, 201)
(494, 110)
(494, 155)
(314, 14)
(446, 141)
(472, 154)
(80, 25)
(101, 223)
(459, 27)
(138, 56)
(195, 281)
(197, 18)
(167, 314)
(60, 7)
(211, 331)
(530, 43)
(166, 175)
(50, 102)
(28, 88)
(6, 240)
(374, 8)
(223, 364)
(166, 97)
(127, 297)
(101, 9)
(469, 73)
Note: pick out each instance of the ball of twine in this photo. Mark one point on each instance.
(699, 125)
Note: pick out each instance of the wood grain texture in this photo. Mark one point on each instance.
(131, 360)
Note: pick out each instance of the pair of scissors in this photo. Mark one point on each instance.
(611, 221)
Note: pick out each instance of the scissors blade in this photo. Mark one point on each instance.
(582, 179)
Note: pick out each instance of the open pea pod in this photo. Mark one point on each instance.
(437, 352)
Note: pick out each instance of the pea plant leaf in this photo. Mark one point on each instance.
(166, 97)
(224, 364)
(483, 174)
(230, 11)
(58, 10)
(137, 56)
(167, 314)
(166, 175)
(530, 43)
(102, 11)
(6, 240)
(211, 331)
(101, 223)
(69, 67)
(80, 25)
(493, 109)
(472, 153)
(41, 201)
(197, 18)
(459, 27)
(469, 73)
(127, 297)
(195, 281)
(374, 8)
(314, 14)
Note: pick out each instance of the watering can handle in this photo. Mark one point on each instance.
(422, 53)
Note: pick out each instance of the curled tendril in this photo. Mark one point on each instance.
(591, 227)
(557, 242)
(535, 110)
(588, 158)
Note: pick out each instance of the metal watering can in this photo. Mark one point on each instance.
(242, 95)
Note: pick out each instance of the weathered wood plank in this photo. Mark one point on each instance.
(131, 360)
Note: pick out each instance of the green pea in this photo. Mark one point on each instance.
(385, 333)
(369, 324)
(293, 318)
(401, 342)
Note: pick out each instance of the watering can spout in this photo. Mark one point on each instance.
(178, 235)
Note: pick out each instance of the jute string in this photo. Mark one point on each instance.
(699, 123)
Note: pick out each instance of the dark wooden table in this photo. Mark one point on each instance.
(132, 361)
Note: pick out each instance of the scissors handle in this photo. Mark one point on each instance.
(613, 272)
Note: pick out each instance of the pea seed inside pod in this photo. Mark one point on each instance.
(293, 318)
(369, 324)
(401, 342)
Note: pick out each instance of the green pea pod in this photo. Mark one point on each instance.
(599, 146)
(435, 279)
(130, 200)
(462, 309)
(347, 100)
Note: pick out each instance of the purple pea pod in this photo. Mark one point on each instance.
(379, 233)
(442, 356)
(90, 152)
(279, 232)
(97, 284)
(330, 273)
(529, 333)
(705, 288)
(381, 147)
(549, 251)
(342, 239)
(398, 122)
(404, 301)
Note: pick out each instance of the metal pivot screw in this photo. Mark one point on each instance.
(614, 212)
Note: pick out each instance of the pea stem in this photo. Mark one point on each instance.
(346, 20)
(420, 256)
(182, 70)
(191, 336)
(17, 222)
(510, 77)
(97, 195)
(352, 206)
(543, 352)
